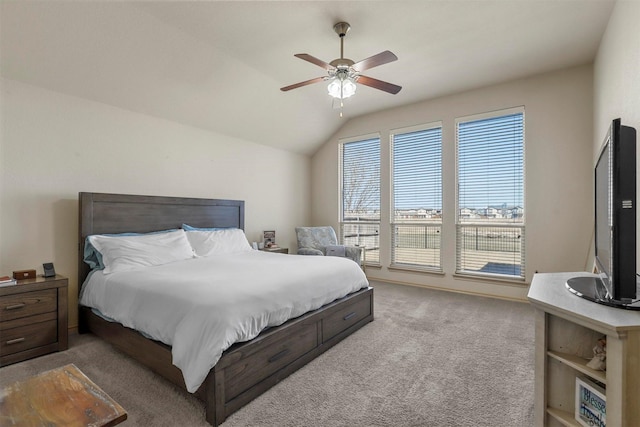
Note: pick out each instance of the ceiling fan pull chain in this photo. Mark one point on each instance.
(333, 104)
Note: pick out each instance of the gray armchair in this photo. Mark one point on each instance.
(316, 240)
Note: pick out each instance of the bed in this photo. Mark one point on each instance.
(245, 370)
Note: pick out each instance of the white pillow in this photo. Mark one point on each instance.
(123, 253)
(218, 242)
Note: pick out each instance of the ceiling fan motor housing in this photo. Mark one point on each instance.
(341, 63)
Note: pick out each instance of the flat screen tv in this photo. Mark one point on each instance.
(616, 281)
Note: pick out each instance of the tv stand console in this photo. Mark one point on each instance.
(567, 329)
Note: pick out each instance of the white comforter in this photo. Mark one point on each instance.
(202, 306)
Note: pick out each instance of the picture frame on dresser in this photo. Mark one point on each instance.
(269, 237)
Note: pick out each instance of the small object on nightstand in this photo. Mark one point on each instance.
(24, 274)
(269, 237)
(49, 271)
(7, 281)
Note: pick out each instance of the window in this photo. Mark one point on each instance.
(416, 220)
(360, 195)
(490, 225)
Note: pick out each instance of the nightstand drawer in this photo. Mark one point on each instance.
(28, 304)
(27, 337)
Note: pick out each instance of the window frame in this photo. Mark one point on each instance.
(392, 217)
(341, 233)
(507, 225)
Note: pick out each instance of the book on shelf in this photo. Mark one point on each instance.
(7, 281)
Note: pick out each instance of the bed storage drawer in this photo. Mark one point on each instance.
(346, 317)
(28, 304)
(268, 358)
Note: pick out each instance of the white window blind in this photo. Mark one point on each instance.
(360, 196)
(490, 201)
(417, 197)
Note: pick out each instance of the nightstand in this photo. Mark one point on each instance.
(33, 318)
(276, 250)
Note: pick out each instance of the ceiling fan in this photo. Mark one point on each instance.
(343, 73)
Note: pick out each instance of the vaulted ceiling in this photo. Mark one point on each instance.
(218, 65)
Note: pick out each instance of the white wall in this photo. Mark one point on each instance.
(617, 79)
(558, 162)
(617, 72)
(53, 146)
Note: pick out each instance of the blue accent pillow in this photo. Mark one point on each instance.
(93, 257)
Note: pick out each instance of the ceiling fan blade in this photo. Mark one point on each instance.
(375, 60)
(379, 84)
(314, 60)
(304, 83)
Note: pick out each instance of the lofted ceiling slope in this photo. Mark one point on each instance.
(218, 65)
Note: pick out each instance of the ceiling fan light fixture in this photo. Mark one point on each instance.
(342, 86)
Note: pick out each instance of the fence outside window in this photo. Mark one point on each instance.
(365, 234)
(491, 249)
(417, 245)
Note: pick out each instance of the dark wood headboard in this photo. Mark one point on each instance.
(102, 213)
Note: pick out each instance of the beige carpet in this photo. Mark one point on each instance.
(429, 358)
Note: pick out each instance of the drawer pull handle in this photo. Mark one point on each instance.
(278, 355)
(349, 316)
(15, 341)
(15, 306)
